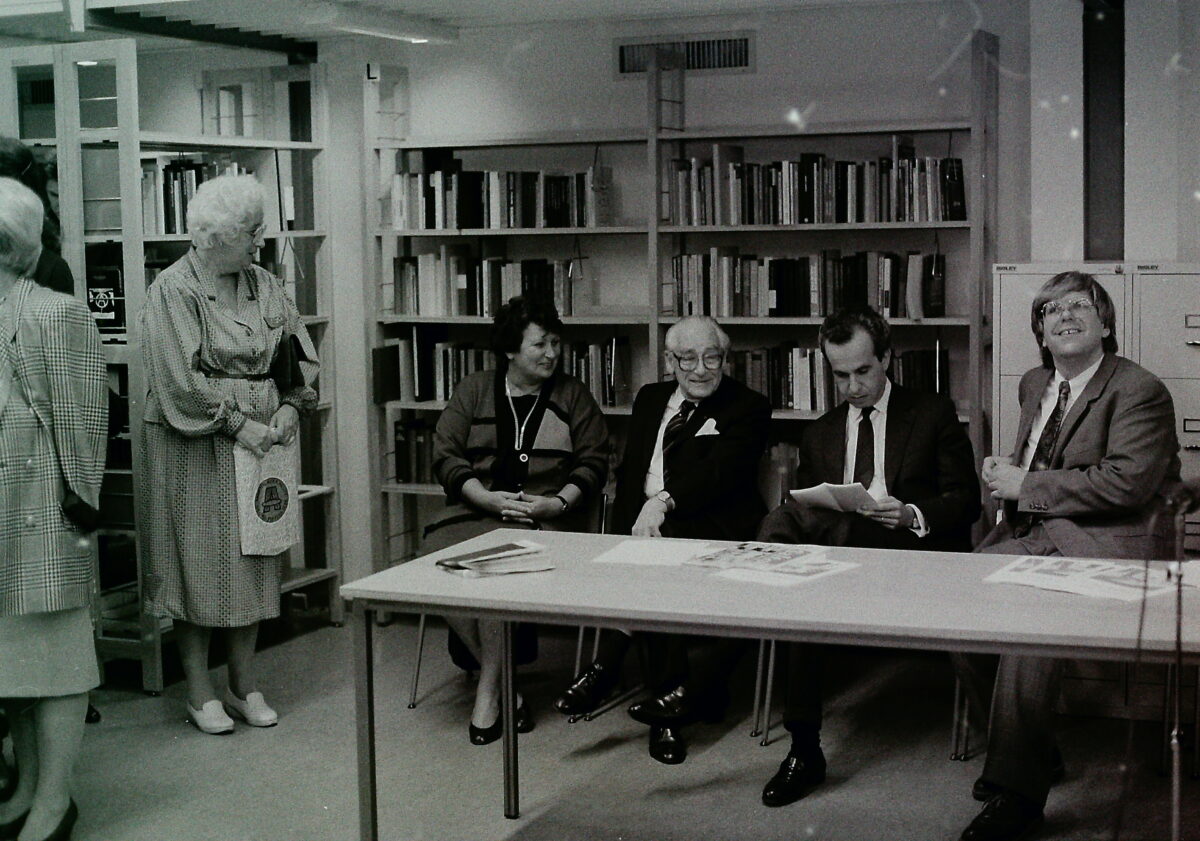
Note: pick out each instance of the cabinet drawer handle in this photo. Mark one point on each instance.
(1191, 446)
(1192, 343)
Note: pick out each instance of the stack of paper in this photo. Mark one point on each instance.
(772, 563)
(502, 559)
(1124, 580)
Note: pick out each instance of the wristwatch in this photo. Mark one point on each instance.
(664, 496)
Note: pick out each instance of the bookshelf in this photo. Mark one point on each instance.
(632, 260)
(122, 191)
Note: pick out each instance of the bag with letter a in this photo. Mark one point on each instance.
(268, 508)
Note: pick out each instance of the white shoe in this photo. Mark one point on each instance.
(254, 710)
(211, 718)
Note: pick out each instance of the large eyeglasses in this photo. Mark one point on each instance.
(1075, 306)
(688, 361)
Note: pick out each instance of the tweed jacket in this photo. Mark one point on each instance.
(1116, 450)
(928, 462)
(566, 441)
(713, 477)
(50, 349)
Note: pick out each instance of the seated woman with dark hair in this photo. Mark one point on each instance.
(524, 446)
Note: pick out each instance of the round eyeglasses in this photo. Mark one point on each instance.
(688, 361)
(1075, 306)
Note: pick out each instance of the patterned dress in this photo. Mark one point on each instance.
(206, 373)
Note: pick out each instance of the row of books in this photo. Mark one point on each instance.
(724, 283)
(413, 450)
(724, 189)
(423, 371)
(168, 186)
(497, 199)
(453, 282)
(796, 377)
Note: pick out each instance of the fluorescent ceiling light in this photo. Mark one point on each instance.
(376, 23)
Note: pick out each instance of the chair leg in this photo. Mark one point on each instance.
(1196, 727)
(412, 695)
(960, 727)
(767, 695)
(579, 652)
(758, 679)
(1164, 758)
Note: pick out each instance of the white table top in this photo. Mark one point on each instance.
(894, 599)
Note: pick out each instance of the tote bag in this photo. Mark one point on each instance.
(268, 507)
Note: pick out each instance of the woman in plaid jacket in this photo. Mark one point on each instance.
(52, 435)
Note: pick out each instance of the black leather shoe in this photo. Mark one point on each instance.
(92, 716)
(589, 689)
(674, 708)
(524, 718)
(984, 790)
(1006, 817)
(667, 745)
(795, 778)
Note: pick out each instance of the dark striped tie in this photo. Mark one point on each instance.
(674, 427)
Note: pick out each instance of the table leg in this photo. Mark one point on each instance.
(364, 709)
(508, 707)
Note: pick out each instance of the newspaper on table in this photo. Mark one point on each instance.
(1124, 580)
(798, 563)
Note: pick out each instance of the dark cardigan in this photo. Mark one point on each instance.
(566, 441)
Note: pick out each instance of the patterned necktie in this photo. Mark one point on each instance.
(1022, 521)
(675, 425)
(864, 452)
(1045, 444)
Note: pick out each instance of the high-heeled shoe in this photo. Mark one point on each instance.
(62, 832)
(523, 719)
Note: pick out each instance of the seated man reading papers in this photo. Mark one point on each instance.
(911, 454)
(689, 470)
(1095, 443)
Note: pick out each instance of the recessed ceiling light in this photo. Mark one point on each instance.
(419, 40)
(87, 62)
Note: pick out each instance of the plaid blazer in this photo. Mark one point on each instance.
(51, 351)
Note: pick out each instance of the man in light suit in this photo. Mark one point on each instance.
(912, 454)
(1095, 444)
(690, 470)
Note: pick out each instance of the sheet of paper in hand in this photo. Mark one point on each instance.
(268, 507)
(836, 497)
(502, 559)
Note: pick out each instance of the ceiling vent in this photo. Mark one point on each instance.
(729, 52)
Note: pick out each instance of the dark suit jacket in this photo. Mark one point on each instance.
(928, 462)
(713, 479)
(1115, 452)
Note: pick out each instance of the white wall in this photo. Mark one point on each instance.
(1056, 131)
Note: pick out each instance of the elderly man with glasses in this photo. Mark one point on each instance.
(1095, 443)
(690, 469)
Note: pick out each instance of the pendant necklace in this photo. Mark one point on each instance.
(518, 424)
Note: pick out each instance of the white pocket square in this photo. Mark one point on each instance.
(709, 427)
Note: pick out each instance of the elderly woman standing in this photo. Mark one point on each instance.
(212, 326)
(52, 436)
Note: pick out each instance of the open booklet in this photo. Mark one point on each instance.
(837, 497)
(501, 559)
